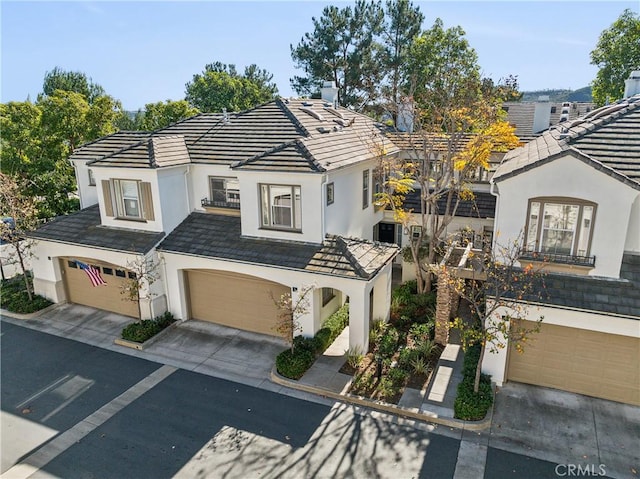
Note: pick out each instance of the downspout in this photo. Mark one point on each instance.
(493, 189)
(186, 188)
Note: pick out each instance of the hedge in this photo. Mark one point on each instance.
(14, 298)
(141, 331)
(469, 405)
(294, 364)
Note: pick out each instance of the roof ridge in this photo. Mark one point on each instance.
(344, 248)
(287, 111)
(618, 109)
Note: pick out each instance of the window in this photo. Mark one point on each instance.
(121, 273)
(327, 295)
(330, 193)
(281, 206)
(72, 264)
(92, 180)
(559, 227)
(128, 198)
(365, 189)
(223, 193)
(106, 270)
(553, 109)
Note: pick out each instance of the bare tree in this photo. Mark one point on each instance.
(290, 311)
(19, 216)
(143, 272)
(499, 289)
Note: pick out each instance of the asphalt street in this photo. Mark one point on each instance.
(70, 410)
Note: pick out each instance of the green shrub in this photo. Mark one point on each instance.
(303, 342)
(469, 405)
(354, 356)
(388, 343)
(294, 365)
(406, 356)
(419, 365)
(141, 331)
(398, 376)
(14, 297)
(332, 327)
(322, 339)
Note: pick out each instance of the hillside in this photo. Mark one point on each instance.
(557, 95)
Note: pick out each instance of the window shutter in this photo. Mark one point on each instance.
(108, 201)
(147, 201)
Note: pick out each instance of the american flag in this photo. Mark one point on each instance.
(93, 273)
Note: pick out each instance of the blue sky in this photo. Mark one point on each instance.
(143, 52)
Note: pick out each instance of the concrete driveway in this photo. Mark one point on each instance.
(567, 429)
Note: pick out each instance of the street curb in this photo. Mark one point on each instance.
(35, 314)
(413, 413)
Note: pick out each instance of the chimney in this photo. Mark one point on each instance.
(405, 115)
(541, 114)
(632, 85)
(329, 93)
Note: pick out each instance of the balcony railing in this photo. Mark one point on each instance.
(233, 204)
(577, 260)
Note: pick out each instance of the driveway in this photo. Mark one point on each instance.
(567, 429)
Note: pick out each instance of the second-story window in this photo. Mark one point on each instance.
(92, 180)
(560, 227)
(223, 193)
(128, 199)
(128, 196)
(330, 193)
(281, 206)
(365, 189)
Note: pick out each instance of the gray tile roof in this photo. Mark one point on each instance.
(108, 145)
(602, 295)
(483, 205)
(218, 236)
(521, 114)
(83, 228)
(607, 139)
(282, 135)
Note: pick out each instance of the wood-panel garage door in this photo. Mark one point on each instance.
(234, 300)
(80, 290)
(586, 362)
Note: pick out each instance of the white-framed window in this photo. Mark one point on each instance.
(560, 226)
(128, 198)
(223, 192)
(330, 193)
(281, 206)
(92, 180)
(365, 189)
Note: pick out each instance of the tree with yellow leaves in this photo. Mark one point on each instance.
(448, 127)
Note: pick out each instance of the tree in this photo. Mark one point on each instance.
(499, 292)
(342, 48)
(59, 79)
(402, 25)
(507, 89)
(145, 271)
(456, 127)
(290, 311)
(220, 87)
(616, 54)
(18, 214)
(161, 114)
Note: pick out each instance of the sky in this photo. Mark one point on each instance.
(145, 52)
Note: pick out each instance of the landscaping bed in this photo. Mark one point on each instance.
(402, 352)
(142, 331)
(14, 297)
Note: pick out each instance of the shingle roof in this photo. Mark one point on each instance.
(218, 236)
(483, 205)
(607, 138)
(108, 145)
(521, 114)
(83, 228)
(153, 152)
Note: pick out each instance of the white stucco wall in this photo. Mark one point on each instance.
(345, 216)
(496, 364)
(168, 191)
(199, 182)
(632, 242)
(88, 193)
(174, 196)
(572, 178)
(310, 196)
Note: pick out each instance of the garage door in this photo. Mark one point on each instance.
(234, 300)
(586, 362)
(80, 290)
